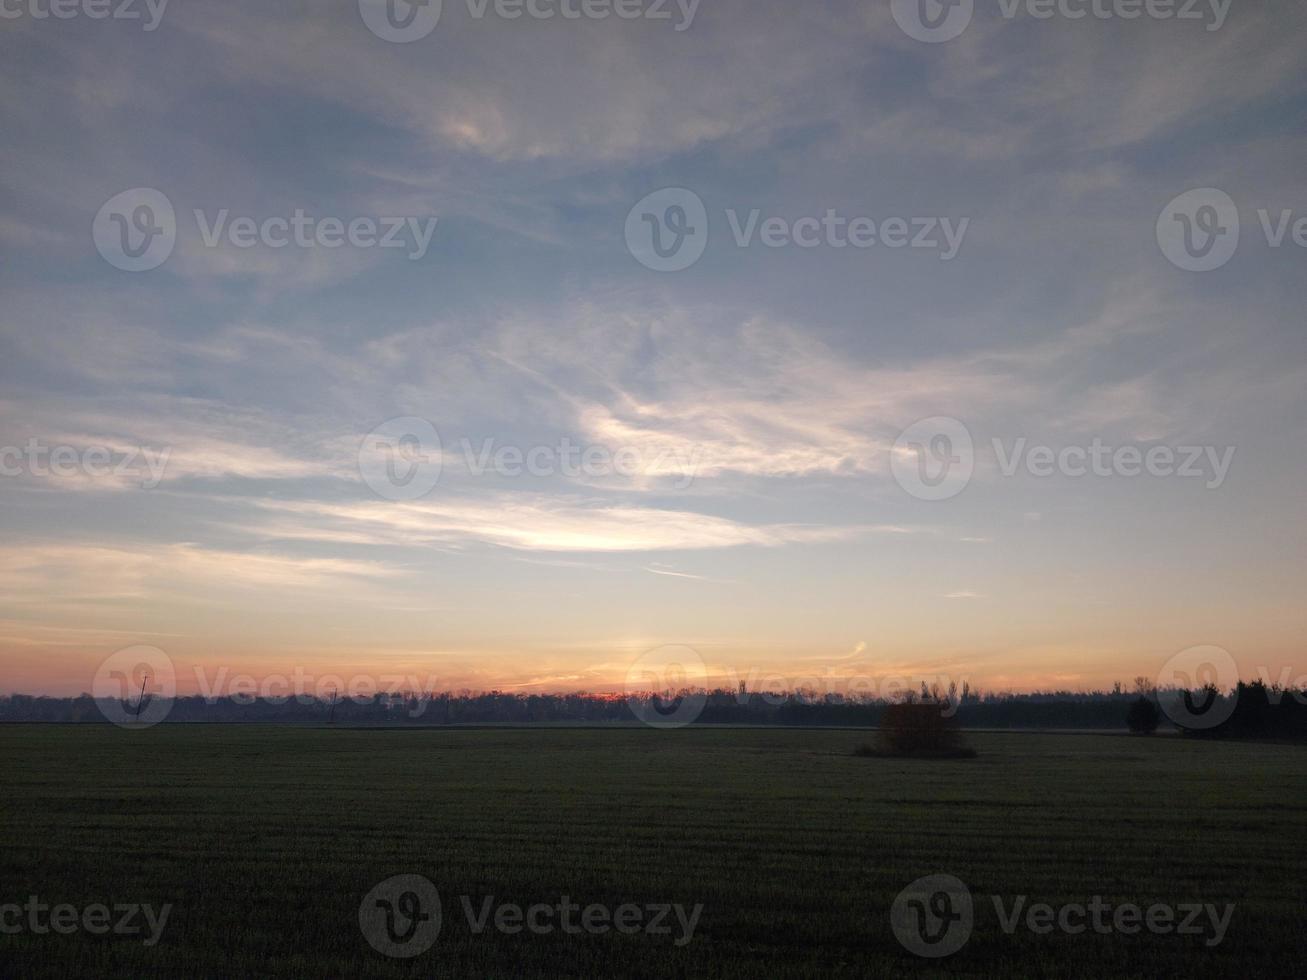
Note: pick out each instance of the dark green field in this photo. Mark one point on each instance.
(265, 840)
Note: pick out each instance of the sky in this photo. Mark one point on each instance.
(773, 331)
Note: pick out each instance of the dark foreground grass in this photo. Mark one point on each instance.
(265, 840)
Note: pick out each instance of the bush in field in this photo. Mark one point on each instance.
(1143, 716)
(920, 729)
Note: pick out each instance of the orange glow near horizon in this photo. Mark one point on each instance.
(32, 670)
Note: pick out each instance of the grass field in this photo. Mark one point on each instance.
(265, 841)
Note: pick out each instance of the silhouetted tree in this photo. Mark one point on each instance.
(922, 728)
(1143, 716)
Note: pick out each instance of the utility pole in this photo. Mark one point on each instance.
(140, 701)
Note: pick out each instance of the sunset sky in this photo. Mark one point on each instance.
(757, 395)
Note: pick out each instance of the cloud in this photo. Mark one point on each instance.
(656, 569)
(532, 522)
(508, 91)
(85, 576)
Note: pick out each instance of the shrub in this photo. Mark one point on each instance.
(920, 729)
(1143, 716)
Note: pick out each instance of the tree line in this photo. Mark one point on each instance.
(1258, 711)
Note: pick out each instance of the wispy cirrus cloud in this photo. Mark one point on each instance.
(534, 522)
(89, 575)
